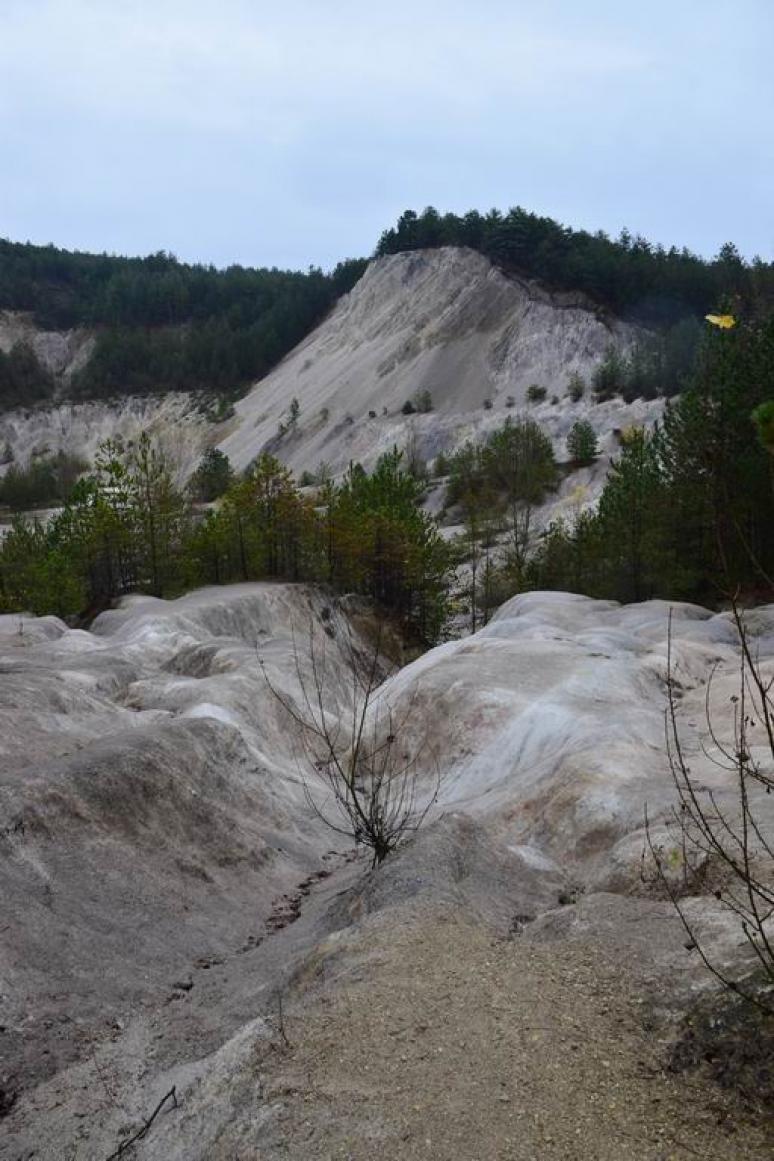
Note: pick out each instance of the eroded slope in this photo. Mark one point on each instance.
(156, 844)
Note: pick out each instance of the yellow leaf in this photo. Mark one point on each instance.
(724, 321)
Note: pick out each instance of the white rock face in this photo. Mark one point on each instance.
(60, 352)
(153, 818)
(444, 321)
(172, 420)
(550, 720)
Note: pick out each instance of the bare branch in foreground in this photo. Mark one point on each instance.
(126, 1145)
(362, 755)
(732, 838)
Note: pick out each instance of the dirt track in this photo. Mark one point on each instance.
(439, 1041)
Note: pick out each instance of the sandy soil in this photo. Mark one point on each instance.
(440, 1041)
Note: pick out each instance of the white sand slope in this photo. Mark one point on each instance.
(444, 321)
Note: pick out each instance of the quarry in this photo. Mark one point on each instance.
(196, 965)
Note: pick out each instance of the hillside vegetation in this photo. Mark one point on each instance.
(161, 324)
(165, 325)
(686, 511)
(126, 527)
(630, 276)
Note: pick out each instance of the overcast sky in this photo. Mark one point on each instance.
(291, 133)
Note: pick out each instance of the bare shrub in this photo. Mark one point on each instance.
(364, 756)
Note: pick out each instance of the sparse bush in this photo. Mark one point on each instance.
(487, 405)
(291, 422)
(609, 378)
(576, 387)
(408, 408)
(510, 401)
(423, 402)
(554, 400)
(217, 408)
(536, 393)
(441, 465)
(415, 463)
(763, 418)
(372, 415)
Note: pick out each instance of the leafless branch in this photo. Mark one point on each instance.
(732, 838)
(127, 1144)
(361, 752)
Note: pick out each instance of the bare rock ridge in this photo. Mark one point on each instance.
(443, 321)
(162, 876)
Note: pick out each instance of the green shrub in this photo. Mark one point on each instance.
(576, 387)
(515, 464)
(763, 418)
(582, 443)
(609, 378)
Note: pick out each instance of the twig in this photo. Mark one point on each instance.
(281, 1020)
(119, 1152)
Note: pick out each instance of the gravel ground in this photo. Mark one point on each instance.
(433, 1039)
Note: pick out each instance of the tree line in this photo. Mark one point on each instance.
(166, 325)
(645, 283)
(161, 324)
(126, 527)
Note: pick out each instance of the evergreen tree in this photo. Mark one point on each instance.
(212, 477)
(582, 443)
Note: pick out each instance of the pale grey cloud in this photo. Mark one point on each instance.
(293, 133)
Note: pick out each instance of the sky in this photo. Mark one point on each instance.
(293, 133)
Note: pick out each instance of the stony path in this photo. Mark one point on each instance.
(434, 1040)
